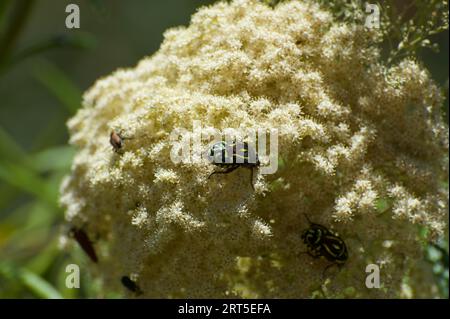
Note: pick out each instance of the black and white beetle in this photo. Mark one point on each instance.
(231, 156)
(321, 242)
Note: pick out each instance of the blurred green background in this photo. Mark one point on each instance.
(44, 68)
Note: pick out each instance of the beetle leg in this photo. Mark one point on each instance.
(311, 252)
(328, 267)
(251, 177)
(226, 171)
(314, 253)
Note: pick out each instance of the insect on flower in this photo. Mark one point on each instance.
(130, 285)
(231, 156)
(321, 242)
(116, 141)
(85, 243)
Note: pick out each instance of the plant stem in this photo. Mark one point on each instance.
(19, 17)
(4, 4)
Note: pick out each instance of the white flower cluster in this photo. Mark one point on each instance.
(362, 151)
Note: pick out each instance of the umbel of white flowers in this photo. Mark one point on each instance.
(361, 147)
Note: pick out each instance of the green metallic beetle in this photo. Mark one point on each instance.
(231, 156)
(321, 242)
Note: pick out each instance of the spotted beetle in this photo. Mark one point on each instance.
(231, 156)
(321, 242)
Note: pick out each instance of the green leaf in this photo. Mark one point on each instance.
(57, 83)
(79, 41)
(25, 179)
(56, 158)
(45, 259)
(7, 195)
(3, 13)
(382, 205)
(19, 16)
(40, 287)
(9, 149)
(36, 284)
(281, 163)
